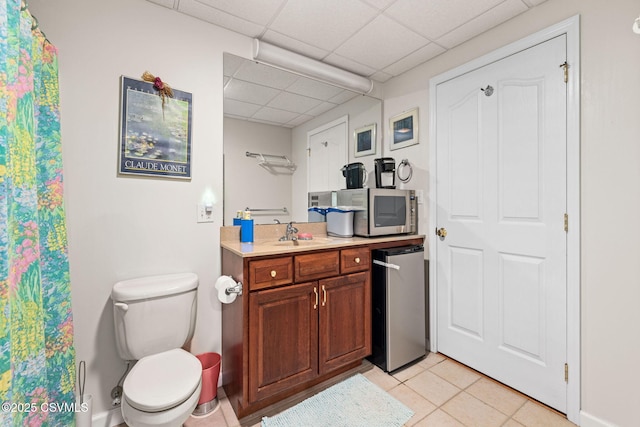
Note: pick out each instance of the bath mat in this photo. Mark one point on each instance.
(354, 402)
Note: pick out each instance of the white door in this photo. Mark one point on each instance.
(501, 197)
(327, 153)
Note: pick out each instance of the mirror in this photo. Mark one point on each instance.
(267, 115)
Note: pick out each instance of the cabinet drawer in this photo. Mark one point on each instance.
(354, 260)
(270, 272)
(317, 265)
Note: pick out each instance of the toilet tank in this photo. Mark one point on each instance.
(154, 314)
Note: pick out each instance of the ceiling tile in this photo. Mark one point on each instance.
(293, 45)
(320, 109)
(166, 3)
(249, 92)
(381, 76)
(222, 19)
(274, 115)
(294, 103)
(434, 18)
(265, 75)
(324, 24)
(314, 89)
(379, 4)
(392, 42)
(343, 97)
(239, 108)
(414, 59)
(298, 120)
(482, 23)
(258, 11)
(231, 64)
(532, 3)
(349, 65)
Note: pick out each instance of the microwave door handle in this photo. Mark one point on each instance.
(386, 264)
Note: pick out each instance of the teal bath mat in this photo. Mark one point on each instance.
(355, 402)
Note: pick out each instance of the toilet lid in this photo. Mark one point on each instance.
(162, 381)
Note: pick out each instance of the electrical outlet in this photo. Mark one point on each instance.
(205, 213)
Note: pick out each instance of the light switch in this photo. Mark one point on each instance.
(205, 213)
(420, 196)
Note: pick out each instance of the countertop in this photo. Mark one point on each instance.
(266, 240)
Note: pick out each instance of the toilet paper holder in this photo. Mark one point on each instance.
(236, 289)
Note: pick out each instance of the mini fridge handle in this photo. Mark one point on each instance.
(386, 264)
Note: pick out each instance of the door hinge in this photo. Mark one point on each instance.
(565, 66)
(309, 152)
(566, 223)
(566, 372)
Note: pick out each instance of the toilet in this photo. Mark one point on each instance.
(154, 317)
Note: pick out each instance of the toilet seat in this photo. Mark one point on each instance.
(162, 381)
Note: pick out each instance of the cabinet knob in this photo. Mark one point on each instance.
(357, 260)
(273, 273)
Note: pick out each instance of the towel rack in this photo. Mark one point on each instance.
(274, 163)
(283, 210)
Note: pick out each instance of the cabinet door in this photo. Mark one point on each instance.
(345, 320)
(283, 338)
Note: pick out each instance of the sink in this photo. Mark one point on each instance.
(312, 242)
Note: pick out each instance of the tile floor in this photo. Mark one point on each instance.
(442, 393)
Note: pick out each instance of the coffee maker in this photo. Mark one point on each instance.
(356, 175)
(385, 172)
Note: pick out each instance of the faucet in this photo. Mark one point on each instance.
(291, 230)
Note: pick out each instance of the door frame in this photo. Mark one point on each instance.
(324, 127)
(570, 27)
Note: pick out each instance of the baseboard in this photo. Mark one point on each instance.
(109, 418)
(588, 420)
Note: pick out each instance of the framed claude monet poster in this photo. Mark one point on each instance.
(155, 131)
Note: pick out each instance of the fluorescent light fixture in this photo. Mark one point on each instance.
(299, 64)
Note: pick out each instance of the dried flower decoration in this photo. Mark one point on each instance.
(164, 90)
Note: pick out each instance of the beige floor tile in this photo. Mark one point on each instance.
(512, 423)
(408, 372)
(418, 404)
(473, 412)
(227, 411)
(381, 378)
(432, 359)
(214, 419)
(432, 387)
(457, 374)
(439, 418)
(535, 415)
(500, 397)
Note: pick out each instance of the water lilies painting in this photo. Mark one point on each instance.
(155, 132)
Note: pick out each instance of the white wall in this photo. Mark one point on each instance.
(610, 178)
(246, 184)
(122, 227)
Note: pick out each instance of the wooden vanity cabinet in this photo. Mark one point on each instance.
(306, 318)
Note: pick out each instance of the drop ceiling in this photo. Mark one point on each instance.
(379, 39)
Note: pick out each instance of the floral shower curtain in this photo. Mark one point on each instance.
(37, 357)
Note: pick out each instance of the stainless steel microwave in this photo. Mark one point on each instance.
(381, 211)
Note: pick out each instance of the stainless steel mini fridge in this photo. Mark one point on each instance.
(398, 304)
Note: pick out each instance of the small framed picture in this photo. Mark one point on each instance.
(365, 140)
(404, 129)
(155, 135)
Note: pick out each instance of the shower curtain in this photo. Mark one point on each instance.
(37, 357)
